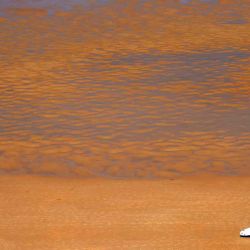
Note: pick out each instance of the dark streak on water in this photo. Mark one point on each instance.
(124, 89)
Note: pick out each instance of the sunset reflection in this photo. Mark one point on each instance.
(125, 89)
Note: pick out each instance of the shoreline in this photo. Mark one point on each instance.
(198, 212)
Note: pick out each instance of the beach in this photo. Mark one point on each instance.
(198, 212)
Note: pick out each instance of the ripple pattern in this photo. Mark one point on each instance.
(118, 89)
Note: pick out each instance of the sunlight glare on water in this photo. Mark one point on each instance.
(125, 89)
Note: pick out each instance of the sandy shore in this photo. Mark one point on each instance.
(59, 213)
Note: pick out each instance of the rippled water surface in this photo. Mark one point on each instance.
(134, 88)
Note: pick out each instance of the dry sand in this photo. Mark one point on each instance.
(60, 213)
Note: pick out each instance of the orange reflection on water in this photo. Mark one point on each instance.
(126, 89)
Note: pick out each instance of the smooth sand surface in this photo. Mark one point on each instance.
(60, 213)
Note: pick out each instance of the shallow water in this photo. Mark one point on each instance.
(125, 89)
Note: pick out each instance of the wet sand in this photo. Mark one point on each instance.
(68, 213)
